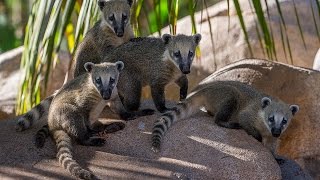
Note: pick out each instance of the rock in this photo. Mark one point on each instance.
(316, 62)
(290, 170)
(191, 149)
(10, 76)
(292, 84)
(229, 43)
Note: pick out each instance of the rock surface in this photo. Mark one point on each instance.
(292, 84)
(195, 148)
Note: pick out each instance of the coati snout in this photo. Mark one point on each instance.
(182, 50)
(276, 120)
(117, 15)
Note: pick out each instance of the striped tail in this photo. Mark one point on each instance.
(161, 126)
(34, 115)
(41, 135)
(65, 158)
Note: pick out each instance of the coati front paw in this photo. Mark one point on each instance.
(280, 160)
(165, 109)
(146, 112)
(97, 141)
(114, 127)
(183, 96)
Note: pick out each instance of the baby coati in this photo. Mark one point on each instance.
(154, 62)
(112, 30)
(232, 105)
(76, 104)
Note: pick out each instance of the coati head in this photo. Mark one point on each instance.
(104, 76)
(277, 115)
(116, 14)
(181, 50)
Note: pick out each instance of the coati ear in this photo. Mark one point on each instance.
(120, 65)
(166, 38)
(130, 2)
(265, 101)
(294, 109)
(101, 4)
(197, 38)
(88, 66)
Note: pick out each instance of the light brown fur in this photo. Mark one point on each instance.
(232, 105)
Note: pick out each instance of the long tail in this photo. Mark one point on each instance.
(34, 115)
(161, 126)
(65, 158)
(41, 135)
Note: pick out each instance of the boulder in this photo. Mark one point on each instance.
(294, 85)
(195, 148)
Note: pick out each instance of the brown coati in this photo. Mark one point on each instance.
(154, 62)
(112, 30)
(78, 102)
(232, 105)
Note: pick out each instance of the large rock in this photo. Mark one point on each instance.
(195, 149)
(292, 84)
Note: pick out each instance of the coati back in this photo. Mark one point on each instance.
(154, 62)
(112, 30)
(78, 102)
(233, 105)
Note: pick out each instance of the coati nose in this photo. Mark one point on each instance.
(185, 70)
(119, 33)
(276, 132)
(106, 94)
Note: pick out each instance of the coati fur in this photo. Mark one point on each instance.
(76, 104)
(154, 62)
(232, 105)
(112, 30)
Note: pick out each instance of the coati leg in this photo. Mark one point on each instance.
(131, 96)
(80, 132)
(271, 143)
(182, 82)
(157, 92)
(132, 103)
(112, 127)
(223, 116)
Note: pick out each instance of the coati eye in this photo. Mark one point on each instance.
(98, 80)
(176, 54)
(284, 121)
(111, 18)
(112, 80)
(271, 119)
(124, 17)
(190, 54)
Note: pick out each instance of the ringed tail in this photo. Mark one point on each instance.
(162, 124)
(65, 158)
(35, 114)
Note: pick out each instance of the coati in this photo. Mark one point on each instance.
(232, 105)
(77, 103)
(155, 62)
(112, 30)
